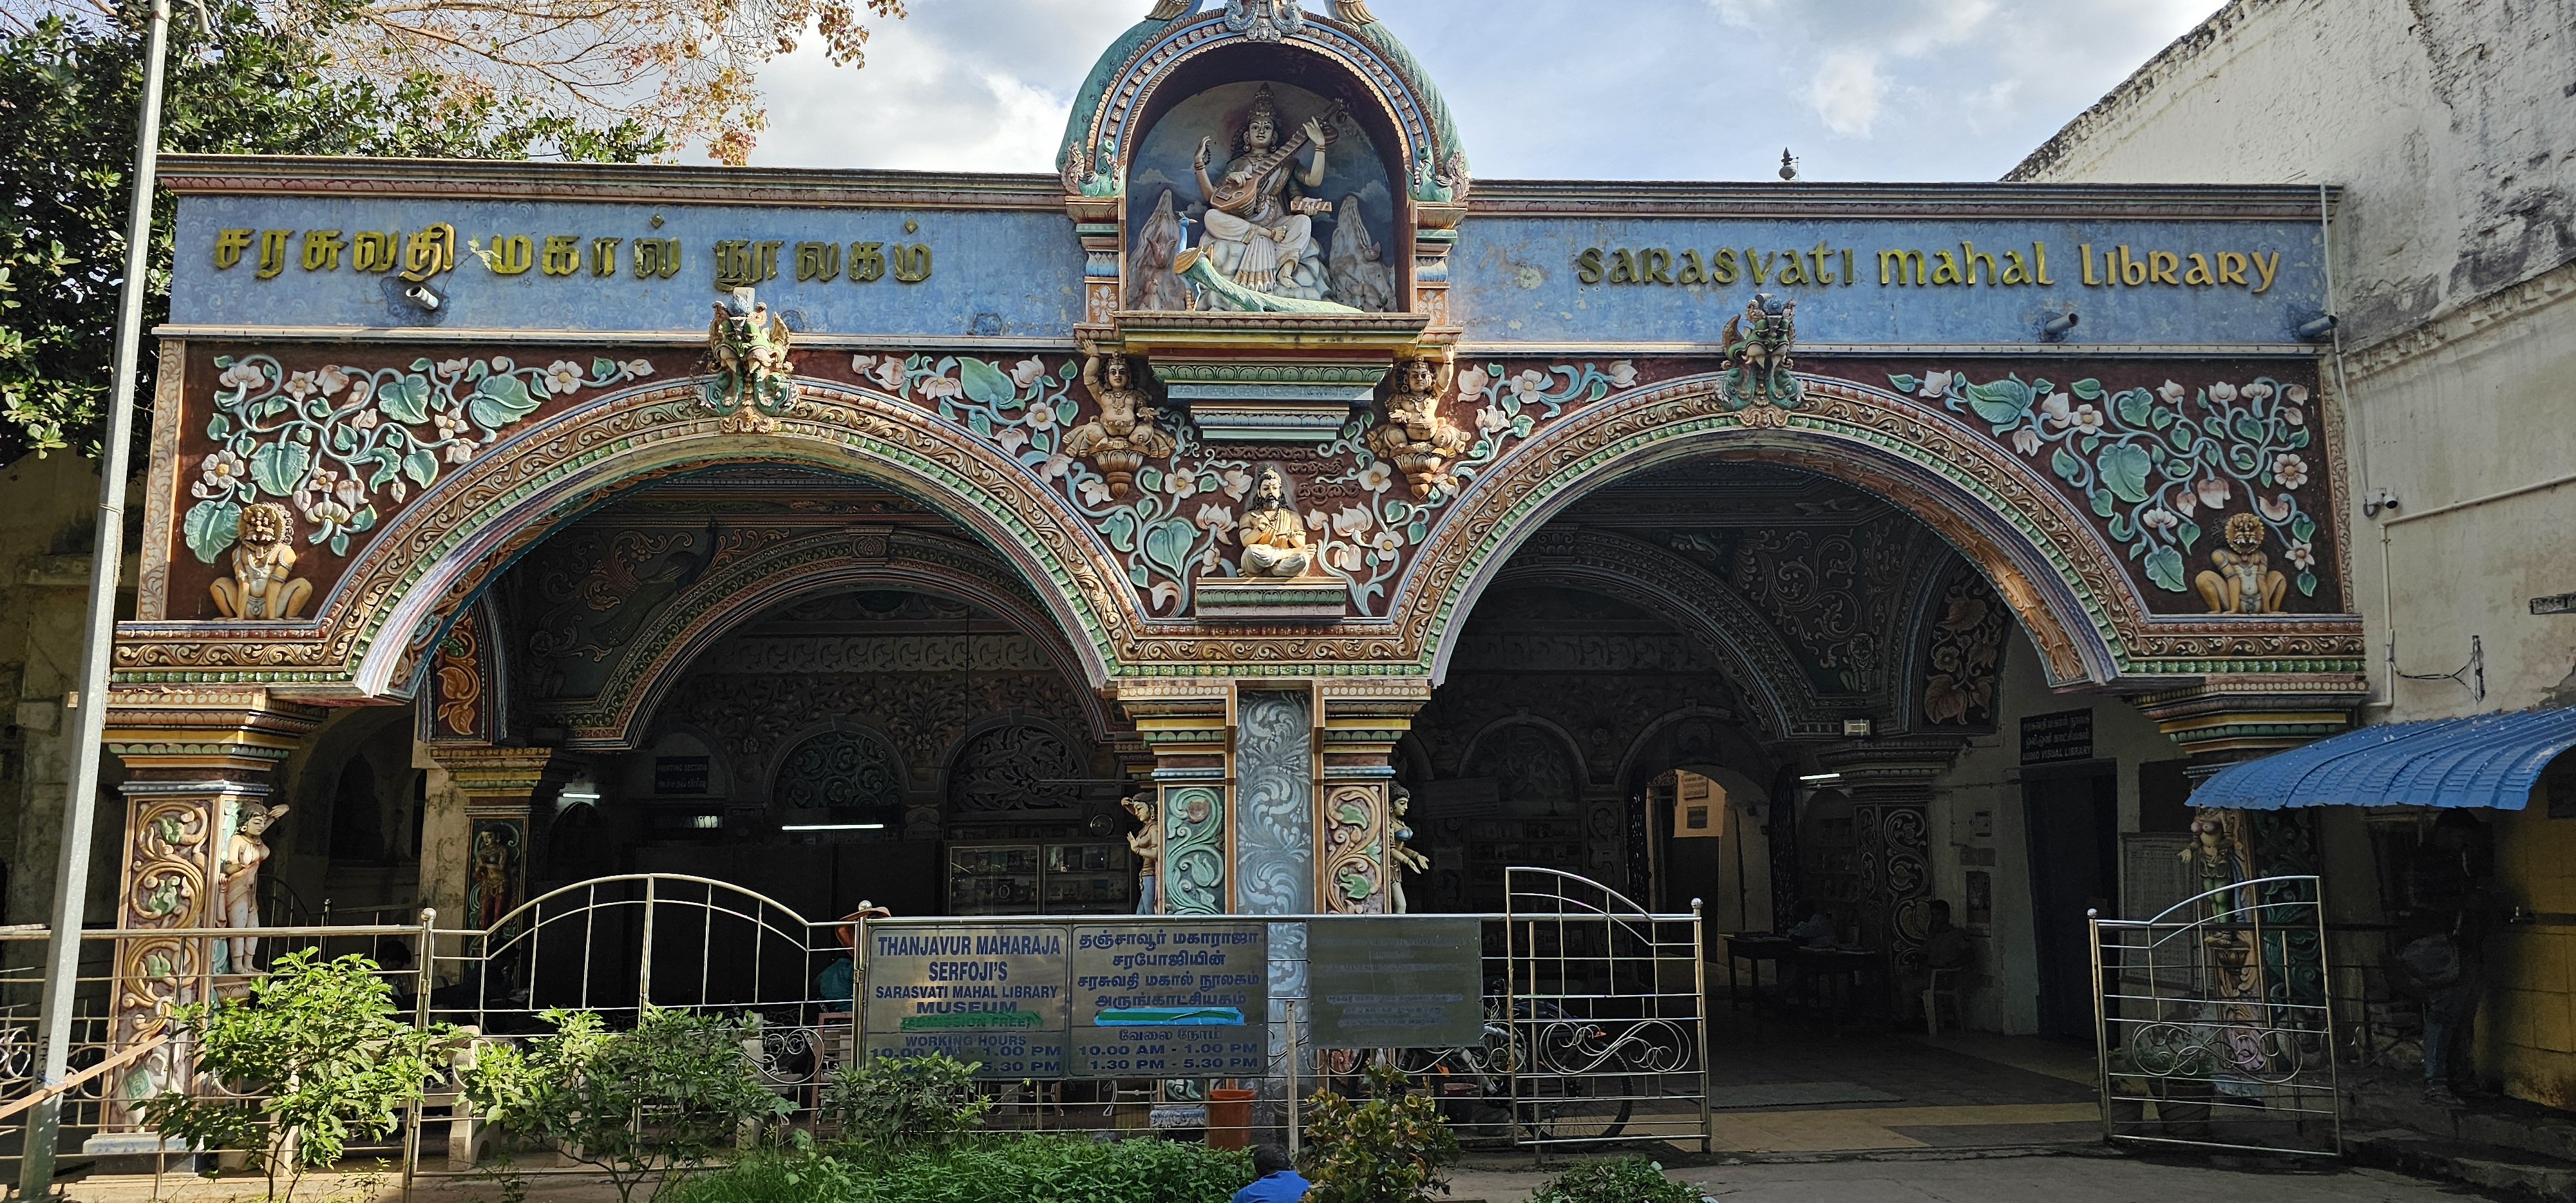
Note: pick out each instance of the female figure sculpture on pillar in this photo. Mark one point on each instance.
(1260, 224)
(244, 853)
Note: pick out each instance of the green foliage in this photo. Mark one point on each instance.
(1387, 1148)
(317, 1052)
(659, 1099)
(237, 84)
(1037, 1169)
(889, 1104)
(1618, 1180)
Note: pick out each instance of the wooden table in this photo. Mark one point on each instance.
(1755, 947)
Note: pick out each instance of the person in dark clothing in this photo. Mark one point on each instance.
(1273, 1181)
(2439, 947)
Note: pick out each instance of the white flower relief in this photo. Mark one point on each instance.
(1623, 374)
(2290, 470)
(2222, 392)
(1935, 384)
(1472, 382)
(1377, 477)
(242, 375)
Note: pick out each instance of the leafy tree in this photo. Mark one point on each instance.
(891, 1104)
(659, 1099)
(1387, 1148)
(317, 1053)
(237, 83)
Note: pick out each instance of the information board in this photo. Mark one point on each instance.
(1396, 982)
(2056, 736)
(1171, 1000)
(992, 995)
(1127, 1000)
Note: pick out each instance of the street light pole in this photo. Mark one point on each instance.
(88, 700)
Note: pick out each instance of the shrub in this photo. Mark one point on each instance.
(1386, 1149)
(1618, 1180)
(318, 1049)
(659, 1099)
(1035, 1169)
(889, 1104)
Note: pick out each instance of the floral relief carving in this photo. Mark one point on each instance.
(333, 441)
(2150, 461)
(1964, 653)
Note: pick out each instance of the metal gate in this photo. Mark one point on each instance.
(1606, 1013)
(2213, 1024)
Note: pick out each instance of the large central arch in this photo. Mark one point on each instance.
(2041, 555)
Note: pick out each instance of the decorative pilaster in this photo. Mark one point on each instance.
(1890, 784)
(1359, 845)
(501, 787)
(1189, 725)
(1274, 822)
(2224, 720)
(199, 763)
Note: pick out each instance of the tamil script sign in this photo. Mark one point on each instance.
(1048, 1000)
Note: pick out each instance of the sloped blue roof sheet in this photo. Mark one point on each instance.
(2489, 760)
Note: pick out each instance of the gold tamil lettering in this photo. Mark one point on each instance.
(818, 260)
(431, 250)
(376, 251)
(229, 245)
(912, 264)
(272, 252)
(657, 258)
(511, 254)
(603, 256)
(563, 255)
(867, 262)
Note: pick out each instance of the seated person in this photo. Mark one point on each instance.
(838, 983)
(393, 963)
(1945, 946)
(1273, 1181)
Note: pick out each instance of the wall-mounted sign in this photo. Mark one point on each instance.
(1131, 1000)
(2061, 735)
(680, 774)
(1171, 1000)
(1388, 982)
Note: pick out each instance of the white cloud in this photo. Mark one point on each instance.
(1873, 89)
(1846, 92)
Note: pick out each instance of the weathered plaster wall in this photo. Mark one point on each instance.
(48, 516)
(2450, 127)
(1986, 777)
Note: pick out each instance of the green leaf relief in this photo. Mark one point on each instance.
(499, 401)
(2000, 400)
(2307, 583)
(2124, 471)
(2065, 465)
(2164, 567)
(279, 467)
(984, 383)
(2088, 389)
(2134, 406)
(2302, 529)
(210, 527)
(1903, 383)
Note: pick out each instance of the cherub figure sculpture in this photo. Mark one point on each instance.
(1274, 537)
(1122, 436)
(2241, 579)
(747, 349)
(1415, 438)
(263, 584)
(238, 880)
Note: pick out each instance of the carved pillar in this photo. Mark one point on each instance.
(1189, 726)
(1890, 784)
(2226, 719)
(199, 762)
(501, 786)
(1357, 842)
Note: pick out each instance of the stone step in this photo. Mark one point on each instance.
(2509, 1172)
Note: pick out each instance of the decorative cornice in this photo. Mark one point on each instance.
(521, 180)
(2492, 312)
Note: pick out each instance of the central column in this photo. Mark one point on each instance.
(502, 788)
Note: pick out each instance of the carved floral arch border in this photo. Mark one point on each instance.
(417, 576)
(793, 570)
(2065, 585)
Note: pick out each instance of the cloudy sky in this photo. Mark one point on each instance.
(1601, 89)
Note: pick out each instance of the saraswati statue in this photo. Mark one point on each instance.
(1260, 233)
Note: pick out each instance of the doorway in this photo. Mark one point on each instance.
(2072, 817)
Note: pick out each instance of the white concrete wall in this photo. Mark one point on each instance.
(1986, 777)
(2451, 127)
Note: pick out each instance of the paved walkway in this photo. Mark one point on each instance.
(1842, 1091)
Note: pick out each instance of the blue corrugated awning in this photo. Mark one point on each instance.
(2485, 760)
